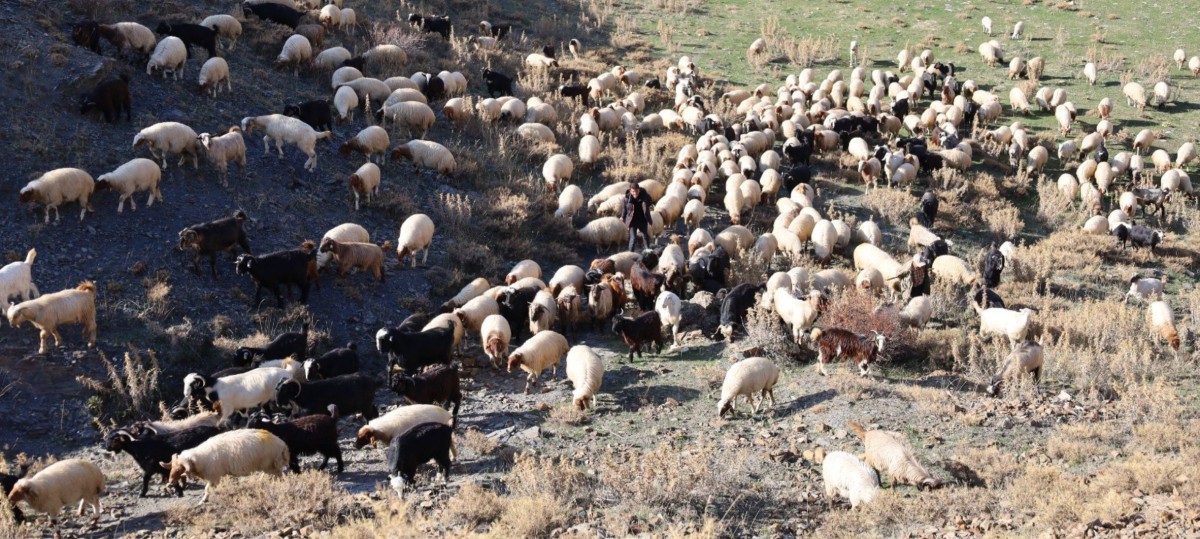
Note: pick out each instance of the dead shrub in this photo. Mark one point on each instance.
(891, 205)
(255, 505)
(767, 332)
(129, 393)
(858, 312)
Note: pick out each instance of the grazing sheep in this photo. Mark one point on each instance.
(557, 169)
(416, 235)
(670, 311)
(745, 378)
(413, 116)
(916, 313)
(954, 269)
(427, 154)
(169, 55)
(57, 187)
(1135, 95)
(1145, 288)
(110, 97)
(212, 74)
(223, 149)
(420, 444)
(797, 313)
(473, 313)
(570, 200)
(283, 129)
(846, 475)
(887, 452)
(225, 26)
(1025, 357)
(469, 292)
(495, 334)
(58, 485)
(169, 138)
(137, 175)
(604, 232)
(585, 370)
(297, 51)
(72, 306)
(870, 256)
(357, 255)
(235, 453)
(538, 353)
(332, 58)
(1162, 321)
(399, 420)
(129, 36)
(1000, 321)
(372, 140)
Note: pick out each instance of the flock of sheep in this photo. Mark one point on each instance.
(757, 146)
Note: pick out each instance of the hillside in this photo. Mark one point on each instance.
(1100, 446)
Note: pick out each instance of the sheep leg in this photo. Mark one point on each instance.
(267, 144)
(212, 263)
(150, 199)
(424, 257)
(43, 337)
(821, 362)
(770, 392)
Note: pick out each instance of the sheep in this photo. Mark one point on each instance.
(357, 255)
(469, 292)
(372, 140)
(315, 113)
(212, 237)
(223, 149)
(234, 453)
(149, 448)
(797, 313)
(316, 433)
(557, 169)
(332, 58)
(1162, 320)
(1194, 66)
(542, 312)
(16, 279)
(539, 352)
(1025, 357)
(991, 55)
(273, 12)
(136, 175)
(867, 255)
(436, 385)
(585, 370)
(745, 378)
(916, 313)
(846, 475)
(169, 55)
(58, 485)
(347, 75)
(72, 306)
(225, 26)
(350, 393)
(646, 329)
(495, 334)
(1135, 95)
(427, 154)
(834, 343)
(604, 232)
(281, 129)
(670, 311)
(474, 312)
(399, 420)
(314, 34)
(570, 200)
(1145, 288)
(824, 238)
(287, 268)
(420, 444)
(535, 132)
(169, 138)
(296, 52)
(127, 36)
(336, 362)
(954, 269)
(110, 97)
(887, 452)
(416, 235)
(452, 322)
(236, 392)
(1000, 321)
(413, 116)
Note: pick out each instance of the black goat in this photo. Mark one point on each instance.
(110, 97)
(986, 298)
(414, 350)
(737, 302)
(798, 153)
(514, 307)
(87, 34)
(336, 362)
(213, 237)
(352, 393)
(192, 35)
(358, 62)
(929, 207)
(431, 23)
(282, 346)
(643, 330)
(435, 89)
(308, 435)
(578, 91)
(415, 322)
(276, 13)
(315, 113)
(418, 445)
(497, 83)
(796, 175)
(150, 450)
(993, 265)
(1143, 236)
(437, 385)
(286, 268)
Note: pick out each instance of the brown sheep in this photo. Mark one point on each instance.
(365, 256)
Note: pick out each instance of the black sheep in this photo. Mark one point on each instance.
(87, 34)
(276, 13)
(110, 97)
(498, 31)
(900, 108)
(1144, 236)
(1121, 232)
(435, 89)
(414, 350)
(936, 249)
(315, 113)
(281, 268)
(418, 445)
(437, 385)
(150, 450)
(986, 298)
(796, 175)
(514, 307)
(351, 393)
(643, 330)
(431, 23)
(993, 264)
(7, 482)
(213, 237)
(192, 35)
(415, 322)
(335, 362)
(574, 91)
(737, 302)
(282, 346)
(929, 207)
(307, 435)
(358, 62)
(497, 83)
(654, 84)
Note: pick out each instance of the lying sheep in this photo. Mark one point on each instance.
(416, 235)
(212, 74)
(66, 482)
(223, 149)
(57, 187)
(137, 175)
(1025, 357)
(745, 378)
(999, 321)
(585, 370)
(540, 352)
(169, 55)
(1162, 321)
(426, 154)
(169, 138)
(235, 453)
(72, 306)
(846, 475)
(283, 129)
(887, 452)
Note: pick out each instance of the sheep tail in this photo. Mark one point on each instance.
(32, 255)
(387, 245)
(857, 429)
(87, 286)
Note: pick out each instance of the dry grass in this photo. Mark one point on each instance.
(252, 505)
(891, 205)
(130, 392)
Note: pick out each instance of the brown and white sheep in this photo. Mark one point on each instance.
(540, 352)
(364, 181)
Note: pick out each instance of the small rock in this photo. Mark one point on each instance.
(531, 433)
(1064, 397)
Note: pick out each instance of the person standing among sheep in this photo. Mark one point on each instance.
(636, 214)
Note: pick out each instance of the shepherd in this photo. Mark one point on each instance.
(636, 214)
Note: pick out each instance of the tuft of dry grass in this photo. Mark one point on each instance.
(130, 392)
(892, 205)
(252, 505)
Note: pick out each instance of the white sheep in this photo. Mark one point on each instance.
(171, 426)
(297, 51)
(589, 149)
(139, 174)
(129, 36)
(1135, 95)
(869, 232)
(16, 279)
(987, 25)
(365, 181)
(370, 141)
(283, 129)
(824, 239)
(916, 313)
(238, 391)
(400, 95)
(1006, 322)
(344, 75)
(523, 269)
(745, 378)
(539, 352)
(1162, 320)
(58, 187)
(345, 101)
(495, 334)
(954, 269)
(343, 233)
(543, 311)
(165, 138)
(332, 58)
(456, 110)
(386, 57)
(537, 133)
(670, 311)
(1025, 357)
(474, 312)
(870, 256)
(330, 16)
(349, 19)
(449, 321)
(557, 169)
(568, 275)
(540, 61)
(427, 154)
(398, 420)
(887, 452)
(235, 453)
(413, 116)
(64, 483)
(169, 55)
(72, 306)
(223, 149)
(213, 73)
(570, 200)
(225, 26)
(585, 370)
(848, 476)
(416, 235)
(1145, 288)
(604, 232)
(368, 89)
(455, 83)
(797, 313)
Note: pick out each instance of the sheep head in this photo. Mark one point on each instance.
(329, 246)
(366, 436)
(515, 360)
(30, 195)
(243, 264)
(286, 391)
(22, 491)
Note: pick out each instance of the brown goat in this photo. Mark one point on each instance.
(616, 283)
(645, 285)
(364, 256)
(835, 343)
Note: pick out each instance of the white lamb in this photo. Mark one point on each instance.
(16, 279)
(286, 129)
(173, 138)
(999, 321)
(745, 378)
(237, 391)
(225, 148)
(416, 235)
(585, 370)
(848, 476)
(140, 174)
(169, 55)
(235, 453)
(58, 187)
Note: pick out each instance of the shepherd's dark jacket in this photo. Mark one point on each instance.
(636, 211)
